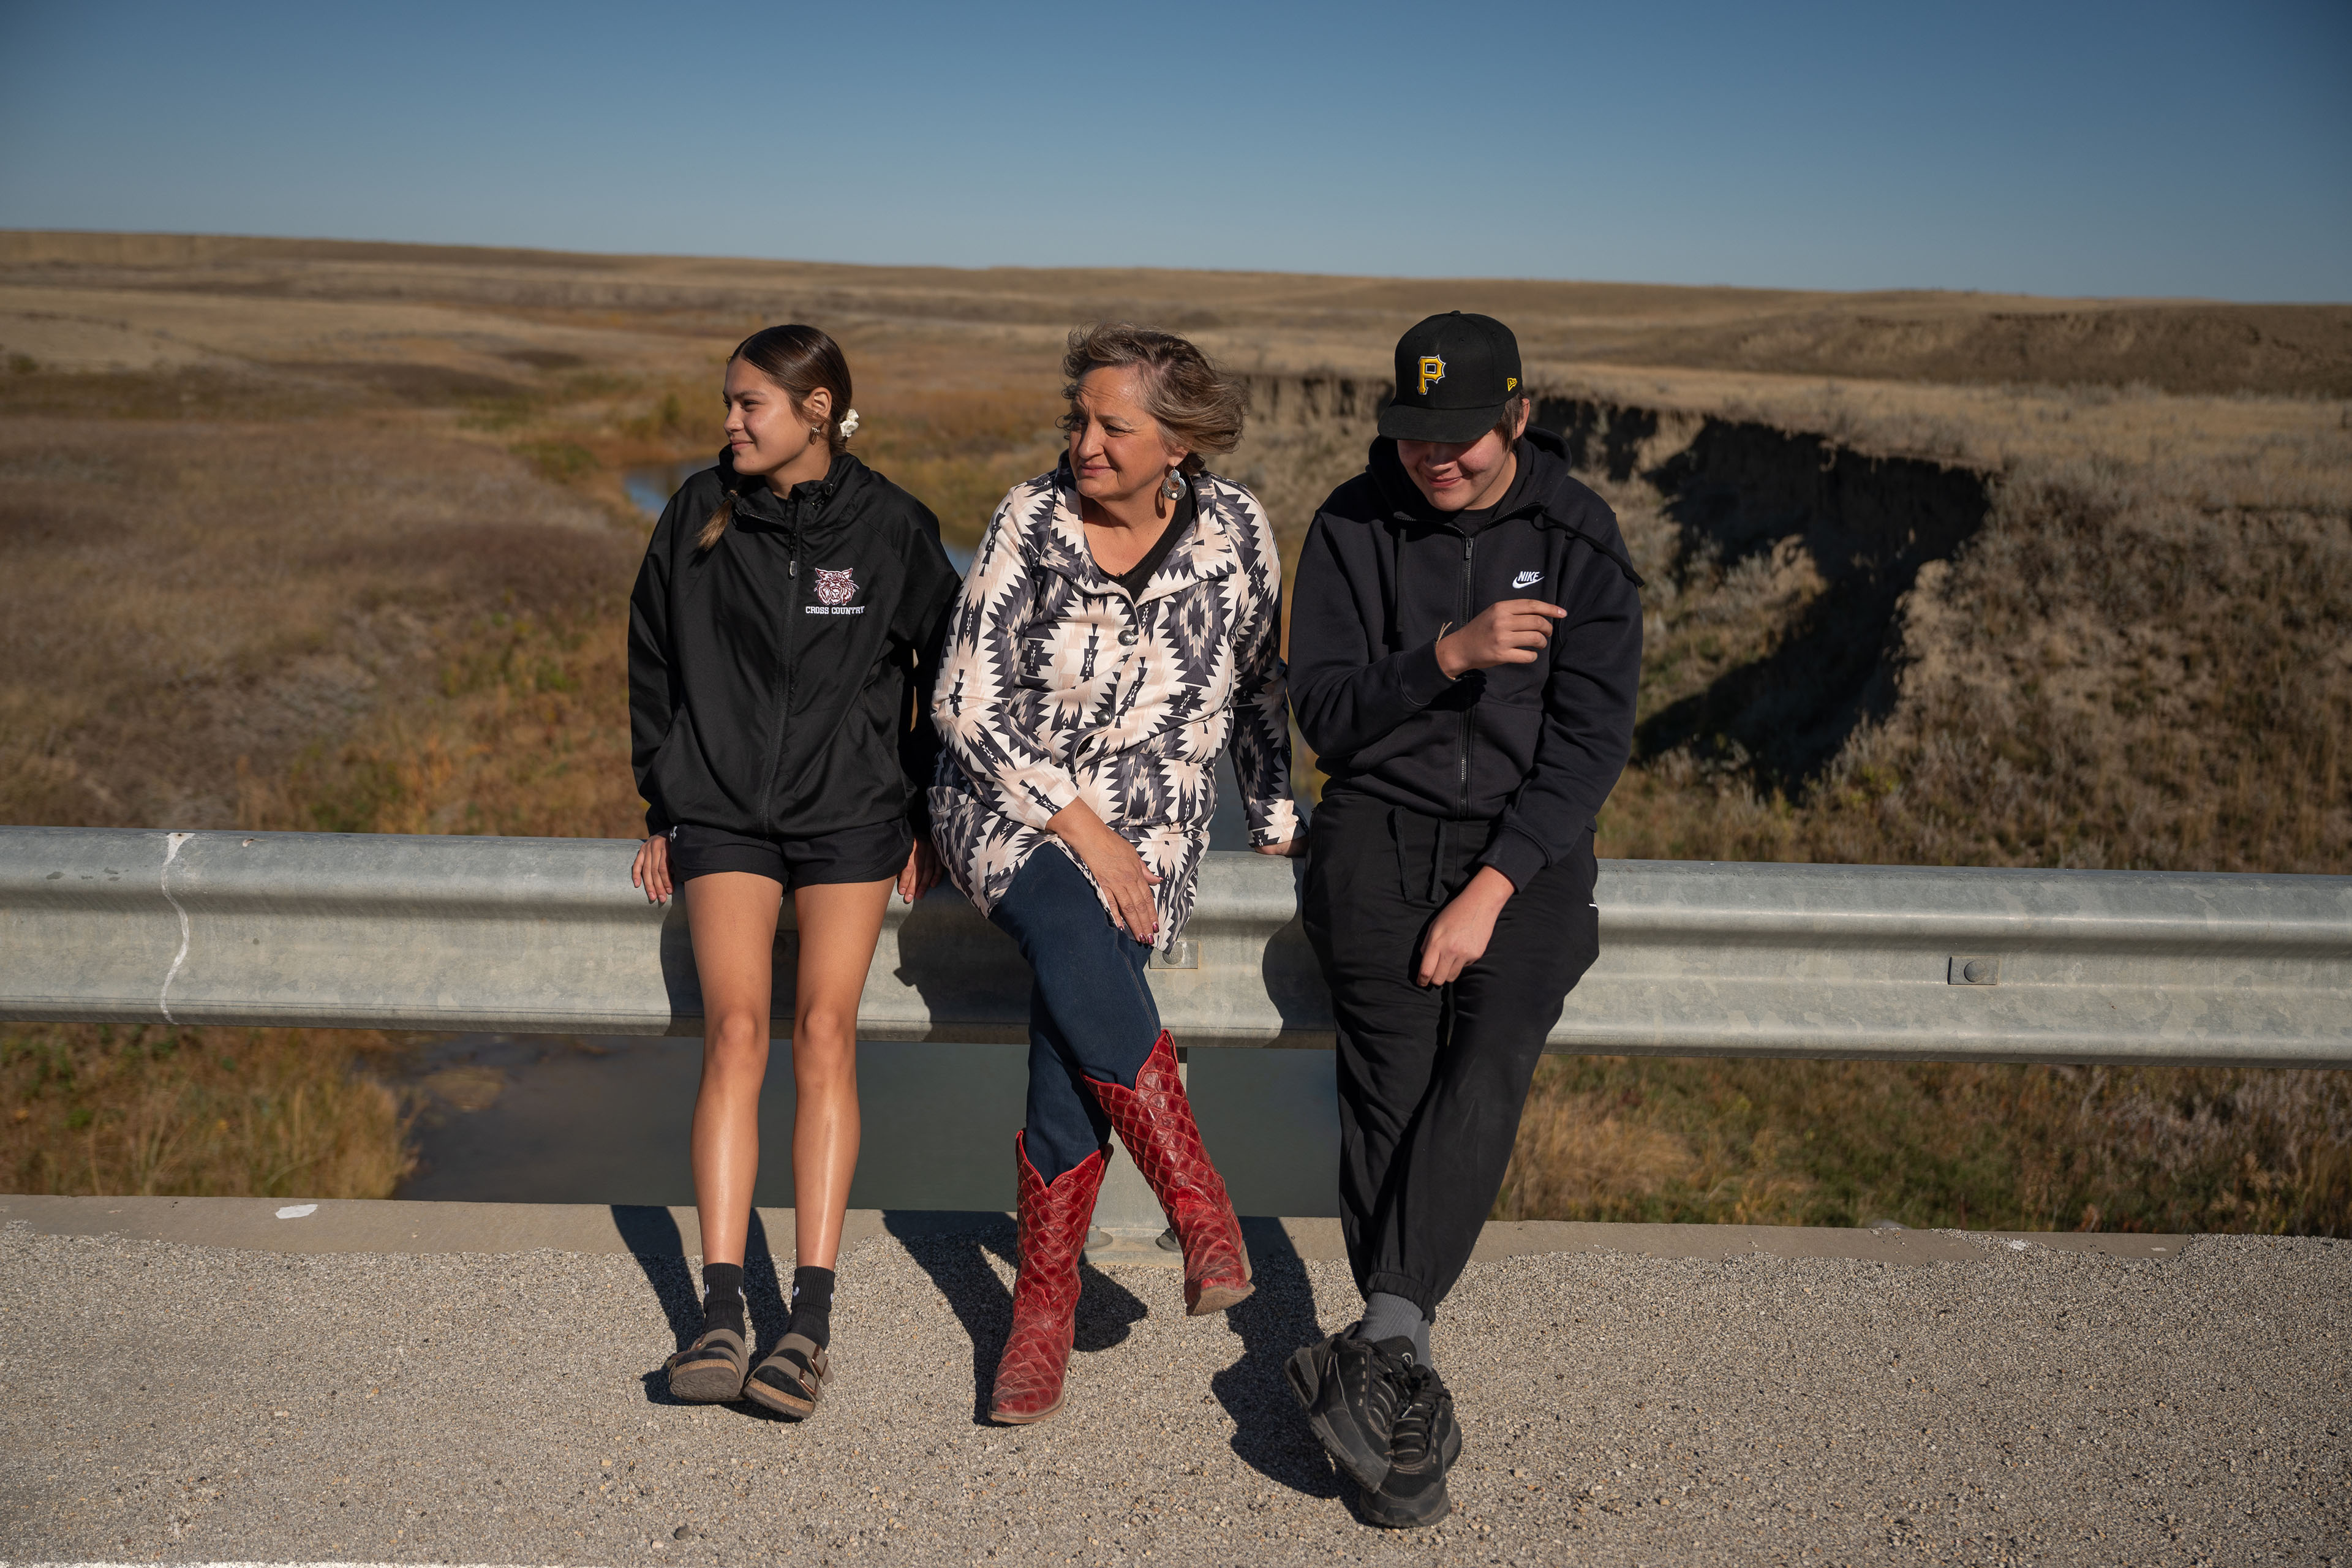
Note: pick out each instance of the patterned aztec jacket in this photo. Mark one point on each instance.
(1055, 686)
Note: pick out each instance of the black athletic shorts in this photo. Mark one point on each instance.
(853, 855)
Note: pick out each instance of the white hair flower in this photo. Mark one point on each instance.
(849, 425)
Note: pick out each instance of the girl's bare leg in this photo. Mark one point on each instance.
(839, 923)
(732, 916)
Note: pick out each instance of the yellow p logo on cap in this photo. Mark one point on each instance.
(1432, 369)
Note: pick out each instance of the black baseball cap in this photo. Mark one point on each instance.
(1453, 375)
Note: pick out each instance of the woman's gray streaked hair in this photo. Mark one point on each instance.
(1199, 406)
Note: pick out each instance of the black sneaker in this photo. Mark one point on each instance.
(1423, 1443)
(1352, 1390)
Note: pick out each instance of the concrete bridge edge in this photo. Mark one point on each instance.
(397, 1226)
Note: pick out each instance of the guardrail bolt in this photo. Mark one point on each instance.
(1974, 972)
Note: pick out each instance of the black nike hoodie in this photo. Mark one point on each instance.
(769, 675)
(1534, 748)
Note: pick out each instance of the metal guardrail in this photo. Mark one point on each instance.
(546, 935)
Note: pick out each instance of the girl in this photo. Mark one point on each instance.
(782, 631)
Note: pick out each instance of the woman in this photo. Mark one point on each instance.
(1121, 623)
(787, 595)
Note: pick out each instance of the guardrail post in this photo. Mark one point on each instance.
(1127, 1218)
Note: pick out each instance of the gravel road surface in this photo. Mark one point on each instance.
(2017, 1402)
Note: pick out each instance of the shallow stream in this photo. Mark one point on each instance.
(547, 1119)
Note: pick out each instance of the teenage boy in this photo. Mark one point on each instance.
(1466, 638)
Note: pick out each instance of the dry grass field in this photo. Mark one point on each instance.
(202, 1112)
(333, 536)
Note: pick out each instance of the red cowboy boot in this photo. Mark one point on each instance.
(1154, 1119)
(1053, 1220)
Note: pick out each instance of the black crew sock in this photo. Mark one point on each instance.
(812, 1305)
(722, 1301)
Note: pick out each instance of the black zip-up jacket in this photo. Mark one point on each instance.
(1535, 748)
(769, 675)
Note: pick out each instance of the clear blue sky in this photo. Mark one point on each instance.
(2051, 148)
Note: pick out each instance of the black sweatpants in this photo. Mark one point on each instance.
(1432, 1080)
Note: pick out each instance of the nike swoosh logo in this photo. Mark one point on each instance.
(1527, 579)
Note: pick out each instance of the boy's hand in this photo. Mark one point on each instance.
(1511, 631)
(1457, 938)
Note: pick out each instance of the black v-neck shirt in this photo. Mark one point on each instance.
(1136, 577)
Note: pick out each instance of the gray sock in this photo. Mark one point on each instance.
(1388, 1317)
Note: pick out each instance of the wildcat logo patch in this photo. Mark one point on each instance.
(834, 591)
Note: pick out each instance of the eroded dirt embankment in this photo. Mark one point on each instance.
(1788, 553)
(1868, 654)
(1844, 532)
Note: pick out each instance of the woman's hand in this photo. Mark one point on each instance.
(1117, 868)
(922, 871)
(1457, 938)
(650, 871)
(1290, 848)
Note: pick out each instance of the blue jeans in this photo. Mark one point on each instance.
(1091, 1017)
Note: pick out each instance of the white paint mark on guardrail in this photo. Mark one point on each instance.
(298, 1211)
(164, 999)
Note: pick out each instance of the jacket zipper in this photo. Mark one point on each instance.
(1462, 764)
(785, 702)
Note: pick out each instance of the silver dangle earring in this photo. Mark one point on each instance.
(1174, 489)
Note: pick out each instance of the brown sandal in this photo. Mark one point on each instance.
(791, 1379)
(710, 1370)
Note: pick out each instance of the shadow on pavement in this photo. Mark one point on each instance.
(1270, 1432)
(953, 1248)
(653, 1240)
